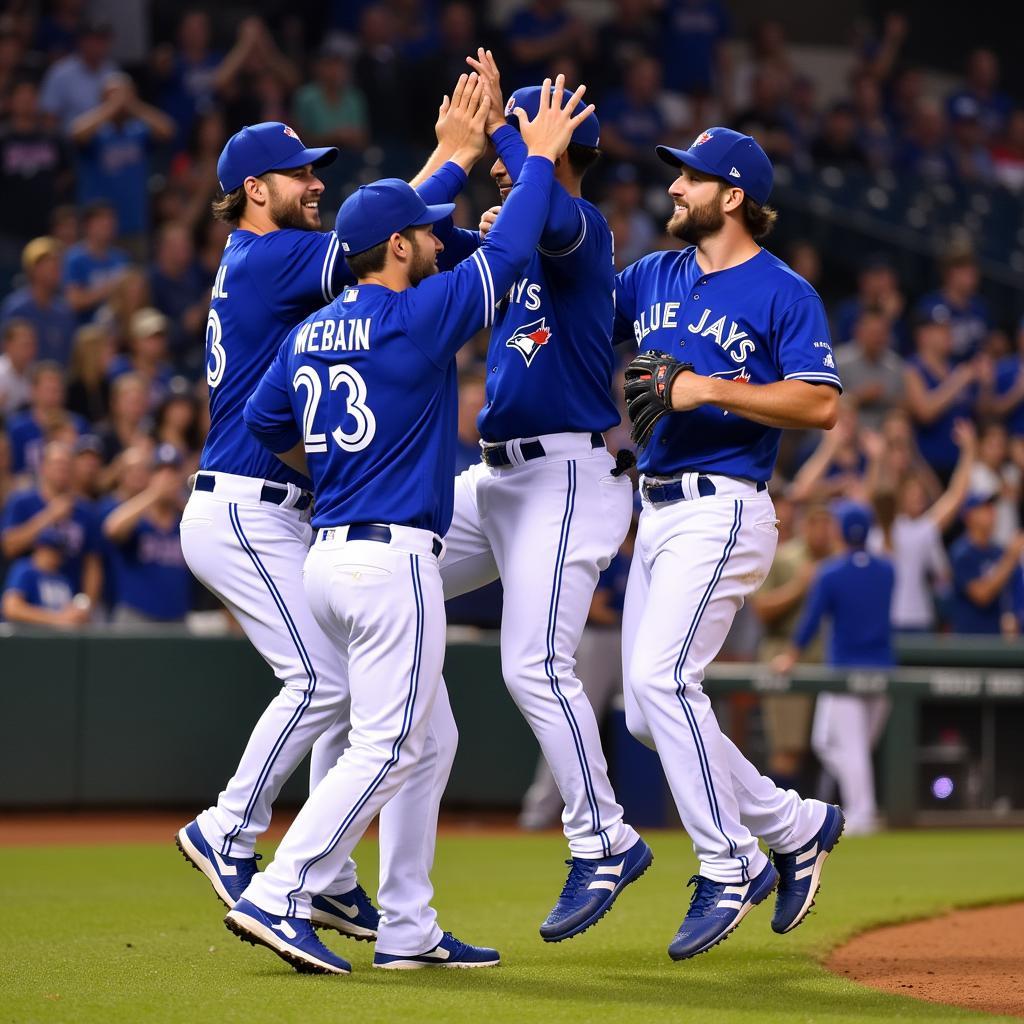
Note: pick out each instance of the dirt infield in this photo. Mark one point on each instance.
(87, 828)
(968, 958)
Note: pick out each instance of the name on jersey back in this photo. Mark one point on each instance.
(334, 336)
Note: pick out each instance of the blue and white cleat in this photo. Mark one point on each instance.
(716, 908)
(351, 913)
(229, 876)
(291, 938)
(800, 872)
(449, 952)
(591, 888)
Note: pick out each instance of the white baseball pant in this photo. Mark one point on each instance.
(845, 730)
(599, 668)
(381, 606)
(548, 527)
(695, 562)
(250, 554)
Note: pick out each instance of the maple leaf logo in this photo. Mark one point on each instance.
(530, 339)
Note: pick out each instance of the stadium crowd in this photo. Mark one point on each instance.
(108, 252)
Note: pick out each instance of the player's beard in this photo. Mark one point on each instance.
(290, 213)
(424, 263)
(699, 223)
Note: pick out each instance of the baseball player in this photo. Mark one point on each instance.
(545, 509)
(365, 392)
(245, 531)
(734, 347)
(854, 590)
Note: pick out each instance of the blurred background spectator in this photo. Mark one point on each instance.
(899, 177)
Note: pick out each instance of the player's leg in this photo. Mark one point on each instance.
(553, 526)
(389, 616)
(841, 738)
(703, 558)
(250, 556)
(468, 562)
(598, 666)
(408, 836)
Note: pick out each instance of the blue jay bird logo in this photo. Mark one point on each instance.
(529, 339)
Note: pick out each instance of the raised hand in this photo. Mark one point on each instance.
(549, 132)
(486, 67)
(461, 120)
(487, 219)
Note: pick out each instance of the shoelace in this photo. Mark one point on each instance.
(579, 873)
(458, 943)
(785, 864)
(704, 895)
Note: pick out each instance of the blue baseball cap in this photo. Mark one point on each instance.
(977, 498)
(726, 154)
(855, 522)
(587, 133)
(268, 146)
(376, 211)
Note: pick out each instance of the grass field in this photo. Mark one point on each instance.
(131, 933)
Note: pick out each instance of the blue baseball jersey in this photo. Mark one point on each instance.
(855, 592)
(756, 323)
(969, 563)
(79, 530)
(554, 324)
(42, 589)
(1008, 376)
(28, 439)
(148, 570)
(968, 324)
(369, 383)
(264, 286)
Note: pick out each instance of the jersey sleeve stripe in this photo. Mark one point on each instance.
(488, 285)
(817, 378)
(330, 270)
(327, 270)
(572, 248)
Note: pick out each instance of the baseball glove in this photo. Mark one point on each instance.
(648, 390)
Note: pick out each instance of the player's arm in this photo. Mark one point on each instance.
(807, 628)
(268, 413)
(459, 303)
(460, 133)
(787, 404)
(461, 142)
(806, 397)
(565, 224)
(623, 331)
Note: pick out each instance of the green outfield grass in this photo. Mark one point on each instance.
(131, 933)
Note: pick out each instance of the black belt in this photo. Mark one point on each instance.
(495, 454)
(276, 494)
(672, 490)
(375, 532)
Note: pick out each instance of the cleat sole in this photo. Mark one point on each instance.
(255, 934)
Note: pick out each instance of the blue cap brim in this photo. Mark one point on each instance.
(677, 157)
(433, 214)
(318, 157)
